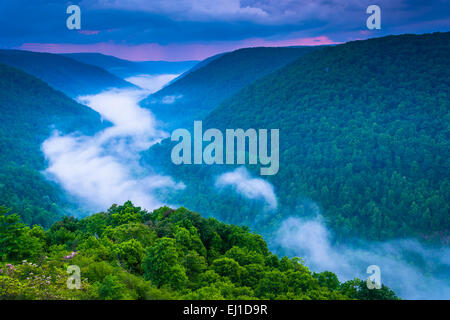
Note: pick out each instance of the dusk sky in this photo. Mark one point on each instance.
(176, 30)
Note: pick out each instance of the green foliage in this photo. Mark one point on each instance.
(195, 265)
(130, 254)
(229, 268)
(357, 289)
(201, 90)
(18, 241)
(111, 288)
(244, 256)
(364, 131)
(161, 264)
(169, 254)
(43, 281)
(29, 111)
(125, 214)
(272, 284)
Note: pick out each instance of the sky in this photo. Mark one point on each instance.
(175, 30)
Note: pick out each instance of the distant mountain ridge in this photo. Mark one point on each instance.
(63, 73)
(125, 68)
(364, 131)
(199, 91)
(201, 64)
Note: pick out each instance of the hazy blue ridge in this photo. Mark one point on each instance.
(63, 73)
(364, 131)
(125, 68)
(30, 111)
(194, 95)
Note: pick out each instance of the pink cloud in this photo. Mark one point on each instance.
(171, 52)
(313, 41)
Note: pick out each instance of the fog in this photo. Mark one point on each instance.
(104, 169)
(410, 269)
(152, 83)
(243, 183)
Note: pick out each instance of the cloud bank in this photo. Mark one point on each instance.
(410, 269)
(195, 29)
(252, 188)
(194, 10)
(152, 83)
(104, 169)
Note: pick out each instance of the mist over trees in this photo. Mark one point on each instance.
(364, 130)
(29, 111)
(130, 253)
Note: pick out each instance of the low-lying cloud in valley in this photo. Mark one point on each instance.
(152, 83)
(252, 188)
(412, 270)
(104, 169)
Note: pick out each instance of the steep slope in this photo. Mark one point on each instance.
(124, 68)
(364, 133)
(200, 91)
(62, 73)
(29, 111)
(201, 64)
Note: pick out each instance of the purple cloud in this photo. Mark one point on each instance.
(194, 29)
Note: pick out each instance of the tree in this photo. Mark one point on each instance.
(130, 254)
(161, 264)
(17, 241)
(195, 265)
(227, 267)
(327, 279)
(111, 288)
(244, 256)
(272, 284)
(126, 214)
(357, 289)
(10, 232)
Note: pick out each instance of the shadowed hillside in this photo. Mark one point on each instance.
(62, 73)
(364, 131)
(198, 92)
(29, 111)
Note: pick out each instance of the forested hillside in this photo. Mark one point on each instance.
(29, 111)
(364, 133)
(129, 253)
(62, 73)
(202, 64)
(198, 92)
(124, 68)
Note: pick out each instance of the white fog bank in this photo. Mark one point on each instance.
(427, 278)
(251, 188)
(104, 169)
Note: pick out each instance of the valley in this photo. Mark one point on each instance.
(344, 198)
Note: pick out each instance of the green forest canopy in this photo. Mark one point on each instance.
(364, 133)
(130, 253)
(203, 88)
(29, 111)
